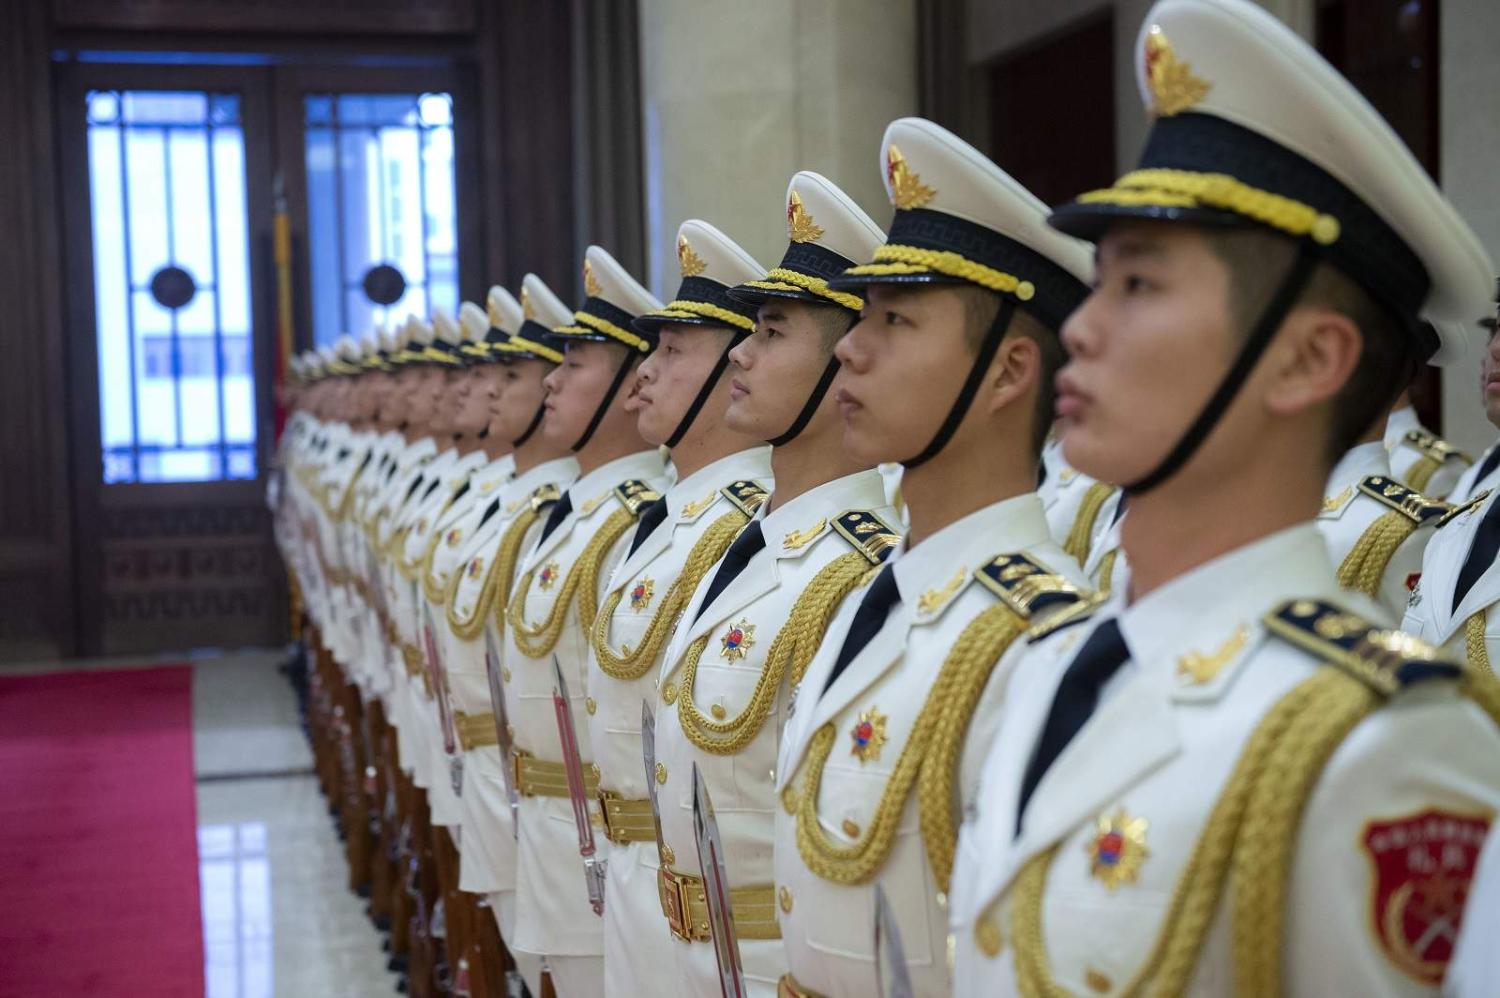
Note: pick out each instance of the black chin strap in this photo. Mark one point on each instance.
(1260, 337)
(987, 350)
(609, 397)
(825, 381)
(709, 384)
(535, 422)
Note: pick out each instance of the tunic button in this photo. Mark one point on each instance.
(661, 774)
(785, 897)
(718, 711)
(505, 674)
(669, 693)
(851, 829)
(590, 705)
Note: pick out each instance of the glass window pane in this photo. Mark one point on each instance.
(172, 286)
(381, 191)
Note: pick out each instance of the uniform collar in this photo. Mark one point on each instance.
(1359, 462)
(697, 492)
(793, 526)
(559, 471)
(1400, 423)
(643, 464)
(1202, 611)
(930, 575)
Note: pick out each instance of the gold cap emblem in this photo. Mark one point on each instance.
(1174, 88)
(528, 307)
(591, 286)
(799, 223)
(907, 189)
(688, 259)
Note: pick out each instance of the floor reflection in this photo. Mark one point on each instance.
(238, 938)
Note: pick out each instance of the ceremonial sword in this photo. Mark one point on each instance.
(891, 976)
(440, 693)
(502, 731)
(716, 891)
(593, 867)
(648, 754)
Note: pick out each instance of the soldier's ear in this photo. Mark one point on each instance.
(1310, 360)
(1013, 374)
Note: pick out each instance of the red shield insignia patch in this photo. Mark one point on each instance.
(1422, 865)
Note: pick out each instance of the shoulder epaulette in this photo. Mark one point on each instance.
(1434, 447)
(1026, 586)
(1392, 493)
(868, 533)
(1462, 508)
(634, 494)
(746, 495)
(541, 497)
(1385, 660)
(1065, 616)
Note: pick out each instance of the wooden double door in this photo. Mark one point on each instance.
(175, 178)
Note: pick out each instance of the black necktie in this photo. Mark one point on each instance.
(868, 619)
(1486, 468)
(1077, 696)
(560, 511)
(651, 517)
(749, 543)
(1481, 553)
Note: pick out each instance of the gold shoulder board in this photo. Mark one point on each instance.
(1436, 448)
(544, 496)
(1065, 616)
(868, 533)
(1462, 508)
(1385, 660)
(1411, 504)
(1026, 586)
(634, 494)
(746, 495)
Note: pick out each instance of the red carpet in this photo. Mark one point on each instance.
(98, 838)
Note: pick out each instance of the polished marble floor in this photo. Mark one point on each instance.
(278, 917)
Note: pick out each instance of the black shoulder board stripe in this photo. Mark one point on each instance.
(1411, 504)
(746, 495)
(1384, 660)
(543, 496)
(868, 533)
(1066, 616)
(1435, 447)
(634, 494)
(1026, 586)
(1462, 508)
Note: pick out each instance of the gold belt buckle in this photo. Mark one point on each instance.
(604, 797)
(674, 904)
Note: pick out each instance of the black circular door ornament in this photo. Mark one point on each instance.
(173, 287)
(384, 284)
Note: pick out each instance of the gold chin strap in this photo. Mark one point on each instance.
(627, 665)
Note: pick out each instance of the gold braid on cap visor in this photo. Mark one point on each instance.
(896, 259)
(520, 344)
(1186, 189)
(782, 279)
(586, 323)
(682, 308)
